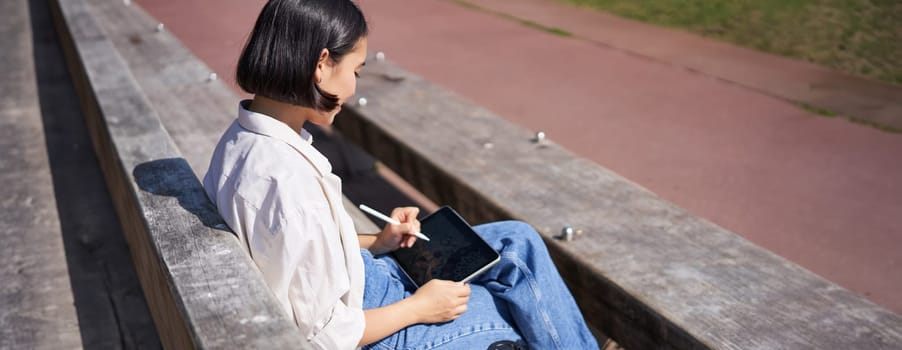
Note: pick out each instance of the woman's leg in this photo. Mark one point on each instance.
(526, 279)
(486, 321)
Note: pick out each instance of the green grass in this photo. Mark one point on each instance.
(831, 114)
(860, 37)
(817, 110)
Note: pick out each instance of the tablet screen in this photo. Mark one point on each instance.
(455, 252)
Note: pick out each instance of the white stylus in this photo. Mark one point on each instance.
(389, 220)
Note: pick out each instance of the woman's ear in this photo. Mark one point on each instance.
(321, 65)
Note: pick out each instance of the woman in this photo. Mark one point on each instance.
(278, 194)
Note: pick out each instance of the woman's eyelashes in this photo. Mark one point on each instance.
(357, 74)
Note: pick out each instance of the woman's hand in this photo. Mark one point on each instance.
(440, 301)
(393, 237)
(436, 301)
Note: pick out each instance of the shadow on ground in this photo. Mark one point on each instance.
(112, 312)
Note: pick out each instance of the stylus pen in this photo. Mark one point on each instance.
(389, 220)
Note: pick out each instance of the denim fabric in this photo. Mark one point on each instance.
(521, 299)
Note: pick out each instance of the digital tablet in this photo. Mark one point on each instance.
(455, 252)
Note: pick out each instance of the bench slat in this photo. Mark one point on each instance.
(37, 308)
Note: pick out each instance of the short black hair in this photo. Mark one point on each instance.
(280, 57)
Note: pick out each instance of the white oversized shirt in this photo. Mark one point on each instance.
(278, 194)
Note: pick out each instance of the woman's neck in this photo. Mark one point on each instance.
(293, 116)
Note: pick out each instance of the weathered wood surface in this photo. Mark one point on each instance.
(644, 271)
(36, 302)
(111, 309)
(194, 109)
(203, 290)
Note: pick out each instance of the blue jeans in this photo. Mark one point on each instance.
(521, 299)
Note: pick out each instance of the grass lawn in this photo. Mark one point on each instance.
(861, 37)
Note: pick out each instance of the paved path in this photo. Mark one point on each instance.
(777, 76)
(822, 192)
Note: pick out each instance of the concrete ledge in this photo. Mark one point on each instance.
(203, 290)
(644, 271)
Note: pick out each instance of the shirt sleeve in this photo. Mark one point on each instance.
(298, 249)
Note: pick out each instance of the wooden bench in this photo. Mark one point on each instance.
(36, 301)
(202, 288)
(170, 113)
(644, 271)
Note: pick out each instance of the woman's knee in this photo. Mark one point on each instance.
(523, 230)
(510, 230)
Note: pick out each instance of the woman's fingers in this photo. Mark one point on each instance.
(407, 213)
(464, 290)
(397, 214)
(409, 241)
(415, 226)
(407, 216)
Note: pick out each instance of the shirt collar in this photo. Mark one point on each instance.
(268, 126)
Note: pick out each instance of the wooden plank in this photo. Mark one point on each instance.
(203, 290)
(111, 309)
(37, 308)
(644, 271)
(193, 110)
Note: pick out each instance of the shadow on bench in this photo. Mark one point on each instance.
(173, 177)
